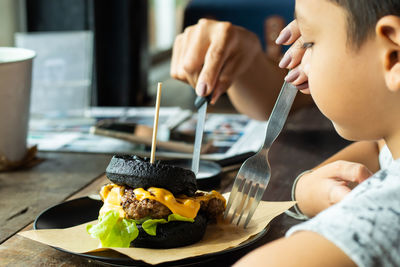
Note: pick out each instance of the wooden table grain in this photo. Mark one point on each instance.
(306, 140)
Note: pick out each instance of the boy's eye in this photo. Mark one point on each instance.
(307, 45)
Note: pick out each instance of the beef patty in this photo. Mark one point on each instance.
(212, 208)
(137, 210)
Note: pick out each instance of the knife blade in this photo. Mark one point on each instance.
(201, 104)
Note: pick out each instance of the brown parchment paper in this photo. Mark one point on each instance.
(217, 237)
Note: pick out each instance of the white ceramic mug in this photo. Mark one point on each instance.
(15, 91)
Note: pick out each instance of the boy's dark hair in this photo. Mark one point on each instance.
(363, 16)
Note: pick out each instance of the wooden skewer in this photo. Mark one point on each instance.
(156, 115)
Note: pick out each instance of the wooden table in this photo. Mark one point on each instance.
(307, 139)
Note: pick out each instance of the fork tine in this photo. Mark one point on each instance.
(257, 166)
(250, 194)
(239, 204)
(256, 201)
(238, 182)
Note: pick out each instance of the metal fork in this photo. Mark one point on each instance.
(254, 174)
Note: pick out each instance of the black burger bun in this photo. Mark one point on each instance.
(136, 172)
(173, 234)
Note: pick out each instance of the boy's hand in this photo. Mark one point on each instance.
(327, 185)
(291, 35)
(211, 54)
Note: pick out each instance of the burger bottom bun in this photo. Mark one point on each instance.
(173, 234)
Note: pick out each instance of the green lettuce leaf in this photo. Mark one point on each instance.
(113, 231)
(177, 217)
(140, 221)
(150, 226)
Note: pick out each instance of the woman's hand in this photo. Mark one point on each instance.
(211, 54)
(327, 185)
(291, 35)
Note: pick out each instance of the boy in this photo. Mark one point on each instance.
(352, 61)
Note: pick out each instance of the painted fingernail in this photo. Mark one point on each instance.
(201, 89)
(285, 61)
(283, 37)
(292, 75)
(302, 86)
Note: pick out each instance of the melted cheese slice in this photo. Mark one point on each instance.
(184, 206)
(111, 196)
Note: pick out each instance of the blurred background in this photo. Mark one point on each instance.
(112, 53)
(99, 61)
(97, 53)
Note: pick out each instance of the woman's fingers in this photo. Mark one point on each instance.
(199, 54)
(293, 55)
(198, 44)
(304, 88)
(300, 79)
(177, 52)
(189, 52)
(225, 78)
(289, 34)
(296, 52)
(215, 58)
(211, 55)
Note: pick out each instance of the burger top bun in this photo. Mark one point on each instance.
(136, 172)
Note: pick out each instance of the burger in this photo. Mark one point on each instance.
(153, 205)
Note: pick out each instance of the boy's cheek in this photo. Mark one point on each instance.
(305, 66)
(305, 62)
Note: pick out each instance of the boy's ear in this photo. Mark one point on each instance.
(388, 31)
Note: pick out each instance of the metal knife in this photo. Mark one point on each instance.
(201, 104)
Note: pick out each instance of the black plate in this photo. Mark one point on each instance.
(82, 210)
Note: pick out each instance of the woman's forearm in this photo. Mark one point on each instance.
(254, 93)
